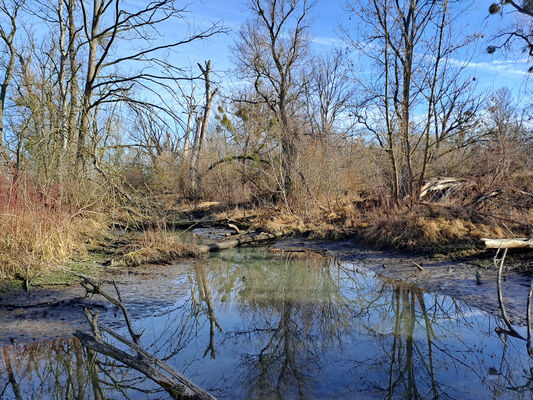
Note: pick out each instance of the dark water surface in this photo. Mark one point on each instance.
(250, 324)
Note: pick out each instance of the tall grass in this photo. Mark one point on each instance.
(37, 230)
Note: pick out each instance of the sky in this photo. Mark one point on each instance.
(327, 16)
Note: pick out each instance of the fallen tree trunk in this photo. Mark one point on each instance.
(144, 363)
(172, 387)
(175, 383)
(206, 222)
(514, 243)
(228, 244)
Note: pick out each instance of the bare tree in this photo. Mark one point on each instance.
(190, 107)
(105, 23)
(329, 95)
(202, 122)
(410, 44)
(271, 49)
(521, 30)
(10, 11)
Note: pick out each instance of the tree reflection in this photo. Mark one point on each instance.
(282, 327)
(63, 369)
(294, 310)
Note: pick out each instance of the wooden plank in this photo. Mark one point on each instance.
(515, 243)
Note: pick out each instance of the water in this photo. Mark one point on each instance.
(250, 324)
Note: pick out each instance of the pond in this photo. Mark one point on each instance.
(248, 323)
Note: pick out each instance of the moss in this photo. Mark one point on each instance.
(59, 277)
(11, 285)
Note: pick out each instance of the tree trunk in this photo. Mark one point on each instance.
(88, 89)
(201, 126)
(8, 73)
(73, 107)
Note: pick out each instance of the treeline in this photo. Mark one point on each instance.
(95, 116)
(88, 89)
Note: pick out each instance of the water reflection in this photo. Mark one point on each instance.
(253, 325)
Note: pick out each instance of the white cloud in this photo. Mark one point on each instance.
(327, 41)
(496, 66)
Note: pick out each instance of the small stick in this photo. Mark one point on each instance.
(505, 317)
(528, 316)
(418, 266)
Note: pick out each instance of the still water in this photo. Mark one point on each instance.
(254, 325)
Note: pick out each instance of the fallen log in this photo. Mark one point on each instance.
(205, 222)
(172, 387)
(235, 228)
(515, 243)
(228, 244)
(175, 383)
(440, 188)
(144, 363)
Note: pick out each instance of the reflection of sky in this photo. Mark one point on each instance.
(311, 324)
(336, 357)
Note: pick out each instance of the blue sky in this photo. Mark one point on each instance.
(491, 71)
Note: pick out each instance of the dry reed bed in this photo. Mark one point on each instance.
(37, 230)
(155, 247)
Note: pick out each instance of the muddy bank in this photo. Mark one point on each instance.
(48, 313)
(454, 279)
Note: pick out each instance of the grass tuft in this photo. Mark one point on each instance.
(426, 234)
(155, 247)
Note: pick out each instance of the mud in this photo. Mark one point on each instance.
(50, 313)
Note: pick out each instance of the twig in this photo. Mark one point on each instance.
(94, 288)
(505, 317)
(418, 266)
(528, 317)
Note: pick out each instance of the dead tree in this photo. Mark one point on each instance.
(175, 383)
(202, 122)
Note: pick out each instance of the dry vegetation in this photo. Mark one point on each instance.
(155, 247)
(38, 231)
(415, 232)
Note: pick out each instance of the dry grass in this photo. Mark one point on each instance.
(413, 232)
(155, 247)
(37, 231)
